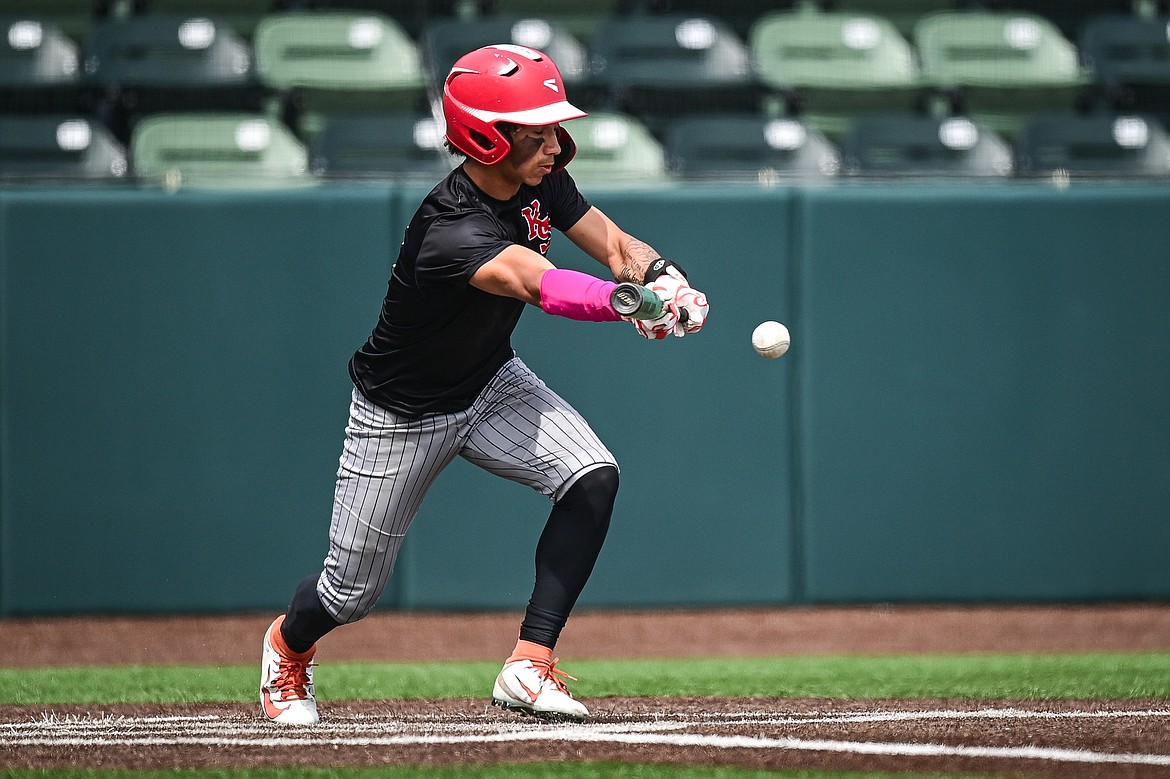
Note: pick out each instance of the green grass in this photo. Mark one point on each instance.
(1037, 677)
(1085, 676)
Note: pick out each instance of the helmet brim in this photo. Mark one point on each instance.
(533, 117)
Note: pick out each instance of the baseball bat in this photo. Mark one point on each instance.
(638, 302)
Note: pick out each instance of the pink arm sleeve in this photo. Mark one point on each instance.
(576, 295)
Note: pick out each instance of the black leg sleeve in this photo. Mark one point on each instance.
(306, 619)
(566, 553)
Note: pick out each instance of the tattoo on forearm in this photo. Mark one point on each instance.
(636, 258)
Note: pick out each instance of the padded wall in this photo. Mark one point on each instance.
(984, 391)
(174, 390)
(973, 407)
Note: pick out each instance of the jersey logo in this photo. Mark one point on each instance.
(538, 227)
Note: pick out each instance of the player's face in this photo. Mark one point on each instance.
(534, 150)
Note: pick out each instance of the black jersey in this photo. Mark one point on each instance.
(439, 340)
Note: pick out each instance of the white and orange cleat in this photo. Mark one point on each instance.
(535, 687)
(286, 681)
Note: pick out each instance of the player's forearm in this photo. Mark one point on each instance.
(575, 295)
(627, 257)
(633, 259)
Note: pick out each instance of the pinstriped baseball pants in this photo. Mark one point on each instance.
(517, 428)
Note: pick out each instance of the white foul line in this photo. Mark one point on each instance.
(681, 740)
(891, 748)
(939, 714)
(104, 732)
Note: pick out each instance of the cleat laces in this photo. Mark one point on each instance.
(292, 679)
(549, 672)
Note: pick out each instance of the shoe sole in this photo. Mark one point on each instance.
(544, 716)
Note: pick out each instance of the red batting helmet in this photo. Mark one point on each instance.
(504, 83)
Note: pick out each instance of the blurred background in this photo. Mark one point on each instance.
(959, 207)
(677, 89)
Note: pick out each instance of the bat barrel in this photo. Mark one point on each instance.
(635, 301)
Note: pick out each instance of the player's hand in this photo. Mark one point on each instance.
(667, 284)
(657, 329)
(672, 287)
(692, 311)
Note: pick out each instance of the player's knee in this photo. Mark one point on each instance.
(604, 484)
(594, 492)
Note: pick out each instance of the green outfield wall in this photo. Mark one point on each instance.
(976, 405)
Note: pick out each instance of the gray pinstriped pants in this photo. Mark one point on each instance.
(517, 428)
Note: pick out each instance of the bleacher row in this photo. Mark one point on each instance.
(278, 91)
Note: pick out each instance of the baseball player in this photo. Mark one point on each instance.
(438, 377)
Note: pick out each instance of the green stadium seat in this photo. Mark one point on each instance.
(241, 15)
(739, 15)
(1093, 146)
(578, 18)
(1069, 16)
(446, 40)
(332, 62)
(1000, 68)
(1129, 58)
(400, 146)
(163, 63)
(831, 66)
(220, 150)
(613, 148)
(668, 50)
(73, 17)
(749, 147)
(660, 67)
(33, 51)
(167, 50)
(40, 67)
(65, 146)
(411, 15)
(903, 14)
(918, 146)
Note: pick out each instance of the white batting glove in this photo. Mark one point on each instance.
(672, 287)
(667, 285)
(657, 329)
(693, 303)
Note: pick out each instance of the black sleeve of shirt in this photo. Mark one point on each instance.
(456, 246)
(566, 205)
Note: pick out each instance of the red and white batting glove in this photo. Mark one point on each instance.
(657, 329)
(671, 285)
(693, 303)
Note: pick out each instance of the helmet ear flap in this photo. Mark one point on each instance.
(568, 149)
(491, 144)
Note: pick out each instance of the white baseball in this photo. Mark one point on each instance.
(770, 339)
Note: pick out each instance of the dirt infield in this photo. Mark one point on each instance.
(1064, 739)
(1020, 738)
